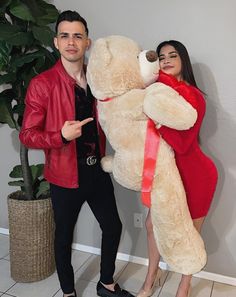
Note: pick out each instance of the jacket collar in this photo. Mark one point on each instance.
(62, 72)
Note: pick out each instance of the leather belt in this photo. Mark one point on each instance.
(90, 160)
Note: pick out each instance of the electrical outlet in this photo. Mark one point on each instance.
(138, 220)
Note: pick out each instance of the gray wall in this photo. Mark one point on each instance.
(207, 29)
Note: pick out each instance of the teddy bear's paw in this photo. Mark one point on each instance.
(107, 163)
(165, 106)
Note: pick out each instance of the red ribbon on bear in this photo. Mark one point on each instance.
(151, 148)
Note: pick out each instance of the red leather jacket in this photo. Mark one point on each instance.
(50, 101)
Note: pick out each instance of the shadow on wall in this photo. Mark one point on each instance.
(133, 241)
(221, 218)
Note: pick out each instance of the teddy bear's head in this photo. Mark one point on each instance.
(117, 65)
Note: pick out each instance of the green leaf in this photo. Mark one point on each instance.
(51, 56)
(35, 7)
(43, 12)
(5, 50)
(26, 73)
(20, 38)
(42, 189)
(6, 30)
(40, 63)
(4, 4)
(7, 78)
(17, 183)
(44, 34)
(21, 11)
(11, 34)
(16, 172)
(49, 18)
(19, 61)
(6, 114)
(8, 94)
(37, 171)
(19, 109)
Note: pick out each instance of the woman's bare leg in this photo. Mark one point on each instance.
(153, 255)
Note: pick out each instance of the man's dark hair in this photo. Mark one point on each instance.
(71, 16)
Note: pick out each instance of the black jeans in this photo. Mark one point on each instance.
(95, 187)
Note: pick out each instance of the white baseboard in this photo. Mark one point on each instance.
(4, 231)
(217, 277)
(143, 261)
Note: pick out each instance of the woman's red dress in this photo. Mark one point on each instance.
(198, 172)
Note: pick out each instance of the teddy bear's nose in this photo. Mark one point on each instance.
(151, 56)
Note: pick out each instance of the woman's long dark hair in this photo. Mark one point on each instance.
(187, 70)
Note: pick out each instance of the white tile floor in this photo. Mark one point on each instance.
(86, 266)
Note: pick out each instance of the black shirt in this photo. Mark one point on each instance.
(87, 143)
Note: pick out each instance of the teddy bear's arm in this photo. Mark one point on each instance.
(181, 141)
(165, 106)
(130, 105)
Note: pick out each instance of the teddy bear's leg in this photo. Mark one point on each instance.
(107, 163)
(179, 243)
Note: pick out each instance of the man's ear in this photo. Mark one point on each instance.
(55, 42)
(89, 43)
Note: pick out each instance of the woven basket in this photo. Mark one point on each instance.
(31, 227)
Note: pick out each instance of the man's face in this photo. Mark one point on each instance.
(72, 41)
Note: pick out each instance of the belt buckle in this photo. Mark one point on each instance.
(91, 160)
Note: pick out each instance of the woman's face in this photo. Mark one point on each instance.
(170, 61)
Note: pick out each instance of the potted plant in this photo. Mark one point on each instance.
(26, 50)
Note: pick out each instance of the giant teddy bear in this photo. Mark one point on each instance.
(122, 77)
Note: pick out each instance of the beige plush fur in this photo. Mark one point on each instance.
(117, 69)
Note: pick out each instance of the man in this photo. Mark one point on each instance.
(61, 119)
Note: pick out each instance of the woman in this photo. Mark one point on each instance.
(198, 172)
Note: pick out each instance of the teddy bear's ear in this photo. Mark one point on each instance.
(101, 53)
